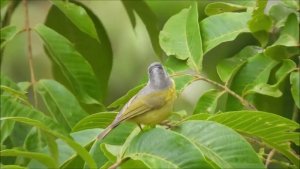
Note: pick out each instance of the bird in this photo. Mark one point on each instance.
(151, 105)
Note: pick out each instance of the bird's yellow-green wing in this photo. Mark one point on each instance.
(142, 104)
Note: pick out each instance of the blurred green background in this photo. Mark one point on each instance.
(132, 48)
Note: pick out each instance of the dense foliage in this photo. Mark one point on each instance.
(247, 50)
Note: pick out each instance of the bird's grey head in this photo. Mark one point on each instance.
(158, 77)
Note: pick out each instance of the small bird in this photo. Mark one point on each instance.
(152, 104)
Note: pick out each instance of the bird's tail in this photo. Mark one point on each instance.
(106, 131)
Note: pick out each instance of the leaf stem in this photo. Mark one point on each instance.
(246, 103)
(30, 56)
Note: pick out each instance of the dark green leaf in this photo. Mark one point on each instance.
(273, 90)
(287, 44)
(61, 103)
(78, 16)
(181, 37)
(74, 67)
(99, 55)
(255, 71)
(295, 81)
(213, 32)
(220, 144)
(228, 67)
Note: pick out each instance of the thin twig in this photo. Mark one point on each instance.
(118, 163)
(270, 156)
(30, 57)
(246, 103)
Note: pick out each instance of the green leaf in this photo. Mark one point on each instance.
(61, 103)
(97, 120)
(120, 102)
(78, 16)
(12, 108)
(227, 68)
(149, 19)
(273, 90)
(295, 82)
(181, 37)
(12, 166)
(161, 148)
(213, 32)
(99, 55)
(208, 102)
(74, 67)
(279, 13)
(44, 159)
(291, 4)
(220, 144)
(177, 66)
(77, 147)
(7, 34)
(260, 23)
(221, 7)
(255, 71)
(287, 44)
(264, 89)
(33, 141)
(272, 129)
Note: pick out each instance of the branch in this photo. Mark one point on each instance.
(29, 47)
(270, 156)
(245, 102)
(118, 163)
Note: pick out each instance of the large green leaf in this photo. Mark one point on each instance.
(43, 158)
(149, 19)
(228, 67)
(255, 71)
(61, 103)
(181, 37)
(272, 129)
(208, 102)
(7, 34)
(78, 16)
(295, 81)
(74, 67)
(287, 44)
(77, 147)
(220, 144)
(160, 148)
(213, 32)
(99, 55)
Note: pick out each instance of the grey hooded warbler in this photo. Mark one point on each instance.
(152, 104)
